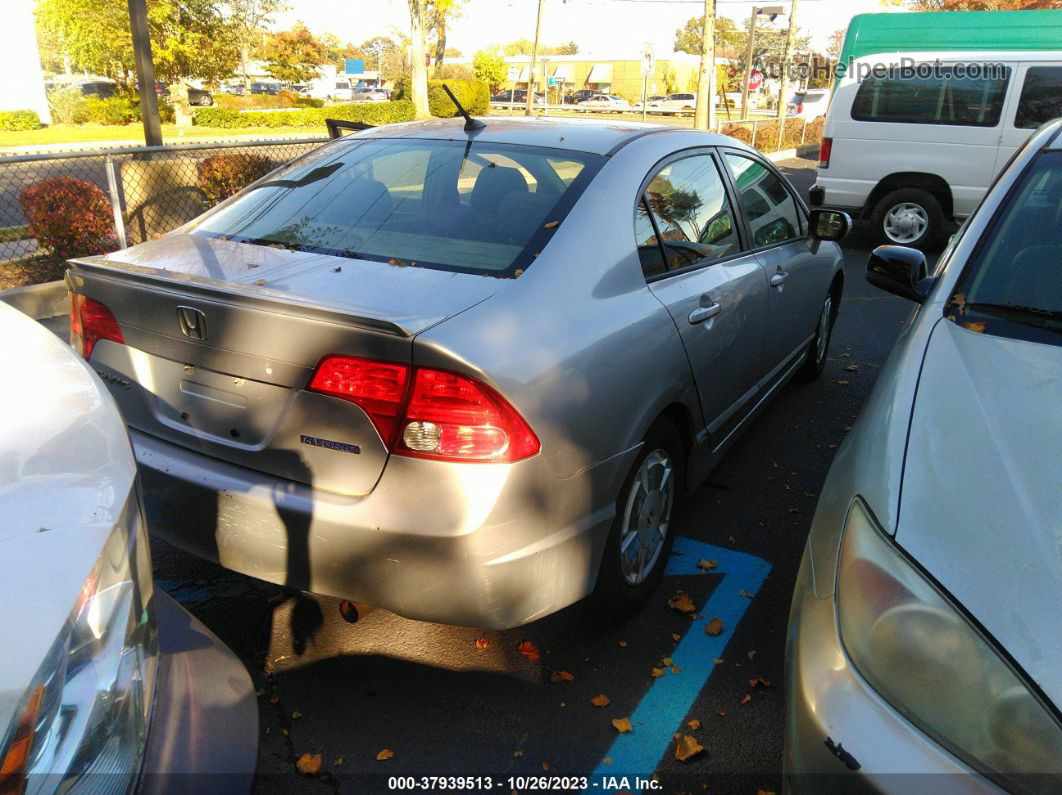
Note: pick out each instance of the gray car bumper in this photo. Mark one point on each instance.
(827, 698)
(204, 727)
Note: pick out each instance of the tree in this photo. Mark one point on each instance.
(439, 11)
(293, 56)
(189, 38)
(524, 46)
(833, 49)
(249, 20)
(983, 5)
(336, 53)
(518, 47)
(419, 82)
(452, 52)
(727, 37)
(489, 66)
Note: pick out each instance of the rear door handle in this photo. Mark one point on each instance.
(779, 278)
(703, 313)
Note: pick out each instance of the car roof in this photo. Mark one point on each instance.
(589, 135)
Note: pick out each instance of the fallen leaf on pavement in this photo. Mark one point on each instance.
(528, 649)
(338, 762)
(841, 381)
(482, 643)
(715, 627)
(694, 725)
(622, 725)
(561, 676)
(719, 661)
(682, 603)
(758, 682)
(518, 754)
(721, 713)
(296, 715)
(707, 565)
(600, 700)
(675, 636)
(851, 368)
(686, 747)
(751, 654)
(764, 792)
(309, 764)
(545, 765)
(384, 755)
(657, 673)
(746, 699)
(607, 761)
(623, 644)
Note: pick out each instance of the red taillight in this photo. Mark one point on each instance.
(441, 415)
(90, 322)
(378, 387)
(825, 150)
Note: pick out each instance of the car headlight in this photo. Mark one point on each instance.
(82, 725)
(922, 655)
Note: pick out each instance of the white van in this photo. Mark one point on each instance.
(910, 147)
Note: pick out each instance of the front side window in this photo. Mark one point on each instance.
(478, 208)
(941, 97)
(686, 213)
(1012, 287)
(1041, 97)
(769, 207)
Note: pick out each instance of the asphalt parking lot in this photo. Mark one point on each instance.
(388, 697)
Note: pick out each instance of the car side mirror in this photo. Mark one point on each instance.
(830, 224)
(901, 271)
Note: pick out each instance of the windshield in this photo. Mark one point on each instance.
(475, 207)
(1013, 285)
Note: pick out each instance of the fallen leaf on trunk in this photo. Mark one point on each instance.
(561, 676)
(384, 755)
(715, 627)
(600, 700)
(707, 565)
(622, 725)
(606, 761)
(682, 603)
(694, 725)
(552, 225)
(482, 643)
(675, 669)
(529, 650)
(686, 747)
(309, 764)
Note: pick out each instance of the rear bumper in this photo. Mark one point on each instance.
(204, 728)
(827, 698)
(849, 195)
(493, 546)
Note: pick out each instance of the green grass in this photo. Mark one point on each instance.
(134, 134)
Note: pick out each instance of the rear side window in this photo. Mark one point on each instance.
(474, 207)
(685, 217)
(1041, 97)
(770, 209)
(942, 97)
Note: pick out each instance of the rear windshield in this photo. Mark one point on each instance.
(475, 207)
(1012, 286)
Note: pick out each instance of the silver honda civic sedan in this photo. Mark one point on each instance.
(463, 375)
(925, 636)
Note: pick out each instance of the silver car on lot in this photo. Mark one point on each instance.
(106, 684)
(925, 636)
(461, 375)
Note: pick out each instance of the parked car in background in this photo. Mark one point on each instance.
(301, 89)
(371, 95)
(342, 90)
(605, 102)
(809, 104)
(923, 636)
(674, 103)
(909, 151)
(581, 95)
(321, 389)
(103, 89)
(266, 88)
(518, 95)
(234, 89)
(199, 97)
(104, 678)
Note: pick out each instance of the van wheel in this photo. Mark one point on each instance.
(907, 217)
(639, 543)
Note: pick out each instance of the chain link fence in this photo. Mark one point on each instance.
(53, 206)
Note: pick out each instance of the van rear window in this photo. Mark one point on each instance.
(938, 98)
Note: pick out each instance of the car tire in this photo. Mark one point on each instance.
(624, 584)
(815, 361)
(907, 217)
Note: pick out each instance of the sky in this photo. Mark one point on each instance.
(601, 27)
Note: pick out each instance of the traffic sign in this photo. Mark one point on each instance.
(755, 79)
(648, 62)
(514, 73)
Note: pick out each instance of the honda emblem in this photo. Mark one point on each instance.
(193, 322)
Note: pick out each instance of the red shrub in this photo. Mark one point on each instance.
(69, 217)
(221, 176)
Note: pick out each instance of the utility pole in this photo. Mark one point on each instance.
(145, 72)
(748, 65)
(706, 80)
(790, 36)
(531, 69)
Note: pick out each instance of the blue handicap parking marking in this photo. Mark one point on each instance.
(661, 711)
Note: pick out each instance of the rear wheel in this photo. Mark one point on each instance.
(907, 217)
(640, 541)
(820, 343)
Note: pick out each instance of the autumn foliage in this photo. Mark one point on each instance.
(221, 176)
(69, 217)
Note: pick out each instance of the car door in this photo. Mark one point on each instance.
(797, 275)
(1035, 98)
(691, 247)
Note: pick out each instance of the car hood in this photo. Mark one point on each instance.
(981, 507)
